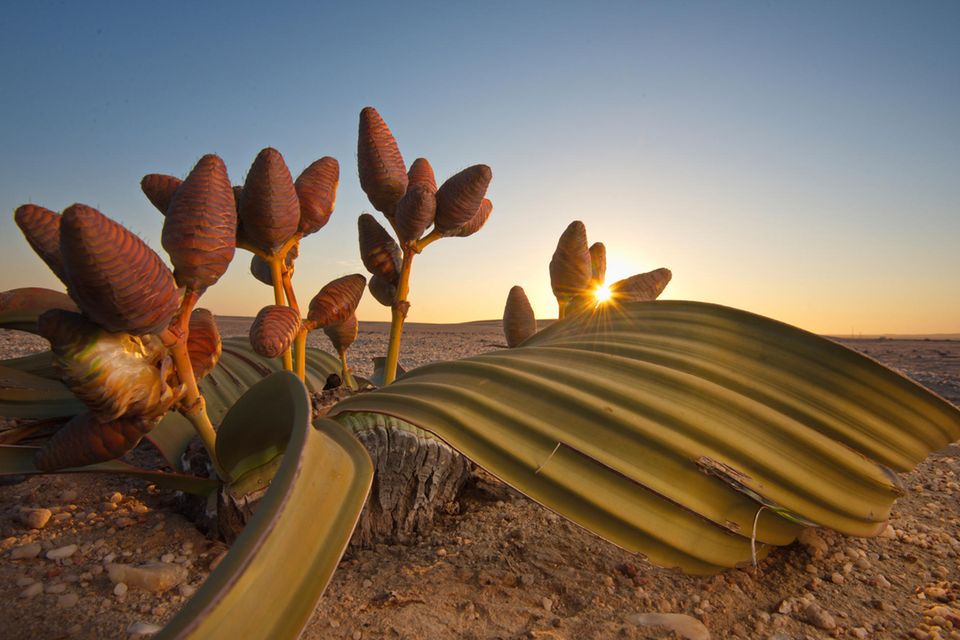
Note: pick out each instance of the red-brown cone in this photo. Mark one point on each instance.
(269, 208)
(378, 250)
(459, 198)
(421, 172)
(261, 269)
(273, 330)
(116, 279)
(336, 300)
(642, 287)
(85, 440)
(343, 334)
(475, 223)
(570, 268)
(203, 342)
(317, 190)
(200, 231)
(598, 264)
(160, 189)
(519, 322)
(382, 290)
(415, 213)
(41, 227)
(383, 174)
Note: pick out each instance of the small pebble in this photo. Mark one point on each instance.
(33, 590)
(26, 551)
(547, 604)
(120, 589)
(35, 518)
(62, 552)
(60, 587)
(67, 600)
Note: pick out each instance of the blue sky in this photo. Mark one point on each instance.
(799, 160)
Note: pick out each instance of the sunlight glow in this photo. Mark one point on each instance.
(602, 293)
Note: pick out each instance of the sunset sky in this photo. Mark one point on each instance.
(798, 160)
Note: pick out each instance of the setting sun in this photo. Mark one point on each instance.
(602, 293)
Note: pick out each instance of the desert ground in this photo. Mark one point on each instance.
(498, 566)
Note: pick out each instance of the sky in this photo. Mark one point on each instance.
(797, 160)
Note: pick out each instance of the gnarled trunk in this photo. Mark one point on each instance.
(416, 476)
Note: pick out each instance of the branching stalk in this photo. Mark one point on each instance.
(397, 316)
(300, 347)
(193, 406)
(276, 275)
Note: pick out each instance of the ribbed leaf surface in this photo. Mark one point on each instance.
(20, 308)
(665, 427)
(240, 367)
(276, 571)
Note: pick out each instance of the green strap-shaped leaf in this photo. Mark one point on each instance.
(276, 571)
(240, 367)
(666, 426)
(29, 396)
(18, 460)
(20, 308)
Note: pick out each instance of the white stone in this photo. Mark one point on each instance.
(62, 552)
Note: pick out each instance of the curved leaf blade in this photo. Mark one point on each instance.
(20, 308)
(666, 426)
(18, 460)
(240, 367)
(276, 571)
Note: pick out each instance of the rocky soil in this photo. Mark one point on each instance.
(104, 557)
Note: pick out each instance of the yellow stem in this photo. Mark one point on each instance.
(193, 406)
(426, 240)
(347, 378)
(288, 289)
(397, 316)
(276, 275)
(300, 346)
